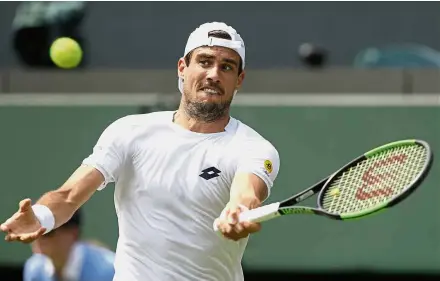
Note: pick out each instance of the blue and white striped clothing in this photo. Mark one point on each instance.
(86, 262)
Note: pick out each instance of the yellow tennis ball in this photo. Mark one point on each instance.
(66, 52)
(335, 192)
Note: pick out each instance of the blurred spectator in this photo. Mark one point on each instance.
(400, 56)
(312, 56)
(61, 255)
(38, 23)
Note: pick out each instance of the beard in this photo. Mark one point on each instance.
(207, 112)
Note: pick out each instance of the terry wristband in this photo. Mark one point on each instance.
(44, 216)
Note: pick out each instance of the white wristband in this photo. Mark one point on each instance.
(45, 216)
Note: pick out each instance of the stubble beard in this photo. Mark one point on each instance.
(207, 112)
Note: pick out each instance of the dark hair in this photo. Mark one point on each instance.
(217, 34)
(75, 221)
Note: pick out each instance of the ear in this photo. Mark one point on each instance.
(181, 65)
(240, 80)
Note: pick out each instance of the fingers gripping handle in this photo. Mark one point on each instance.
(260, 214)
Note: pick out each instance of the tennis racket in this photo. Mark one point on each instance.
(374, 181)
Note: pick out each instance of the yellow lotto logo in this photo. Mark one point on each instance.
(268, 166)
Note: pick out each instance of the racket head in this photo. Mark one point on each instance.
(376, 180)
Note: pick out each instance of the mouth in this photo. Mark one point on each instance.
(211, 91)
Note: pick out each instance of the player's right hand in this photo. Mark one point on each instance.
(229, 225)
(23, 226)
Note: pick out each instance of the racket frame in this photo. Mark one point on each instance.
(392, 201)
(287, 206)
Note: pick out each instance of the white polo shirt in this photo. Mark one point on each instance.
(171, 184)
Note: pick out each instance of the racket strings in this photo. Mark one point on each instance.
(375, 180)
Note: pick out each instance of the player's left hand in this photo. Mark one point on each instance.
(229, 225)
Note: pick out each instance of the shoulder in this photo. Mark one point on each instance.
(36, 260)
(99, 251)
(247, 138)
(141, 120)
(256, 154)
(99, 260)
(130, 126)
(100, 254)
(37, 264)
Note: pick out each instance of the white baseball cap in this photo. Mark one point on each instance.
(199, 37)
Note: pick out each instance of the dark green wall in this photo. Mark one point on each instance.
(313, 142)
(40, 147)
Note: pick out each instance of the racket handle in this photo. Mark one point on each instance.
(260, 214)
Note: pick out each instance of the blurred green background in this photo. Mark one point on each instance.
(41, 146)
(324, 83)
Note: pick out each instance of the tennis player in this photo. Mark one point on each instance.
(175, 173)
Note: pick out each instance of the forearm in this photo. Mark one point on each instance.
(245, 198)
(248, 190)
(64, 201)
(60, 204)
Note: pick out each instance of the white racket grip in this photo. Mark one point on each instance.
(260, 214)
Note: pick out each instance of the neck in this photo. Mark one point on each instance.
(182, 119)
(59, 262)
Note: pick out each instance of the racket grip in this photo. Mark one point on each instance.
(260, 214)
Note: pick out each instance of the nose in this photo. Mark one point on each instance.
(213, 74)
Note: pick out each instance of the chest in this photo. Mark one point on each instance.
(187, 170)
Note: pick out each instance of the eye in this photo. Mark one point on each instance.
(204, 62)
(227, 67)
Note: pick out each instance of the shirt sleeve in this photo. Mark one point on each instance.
(38, 268)
(262, 159)
(29, 271)
(111, 151)
(100, 263)
(108, 265)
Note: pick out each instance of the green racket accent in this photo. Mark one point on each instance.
(375, 210)
(375, 180)
(388, 146)
(296, 210)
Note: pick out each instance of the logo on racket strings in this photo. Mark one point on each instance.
(370, 179)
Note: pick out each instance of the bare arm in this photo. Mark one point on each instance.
(256, 171)
(79, 187)
(56, 207)
(248, 190)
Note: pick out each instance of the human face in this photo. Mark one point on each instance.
(210, 80)
(57, 243)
